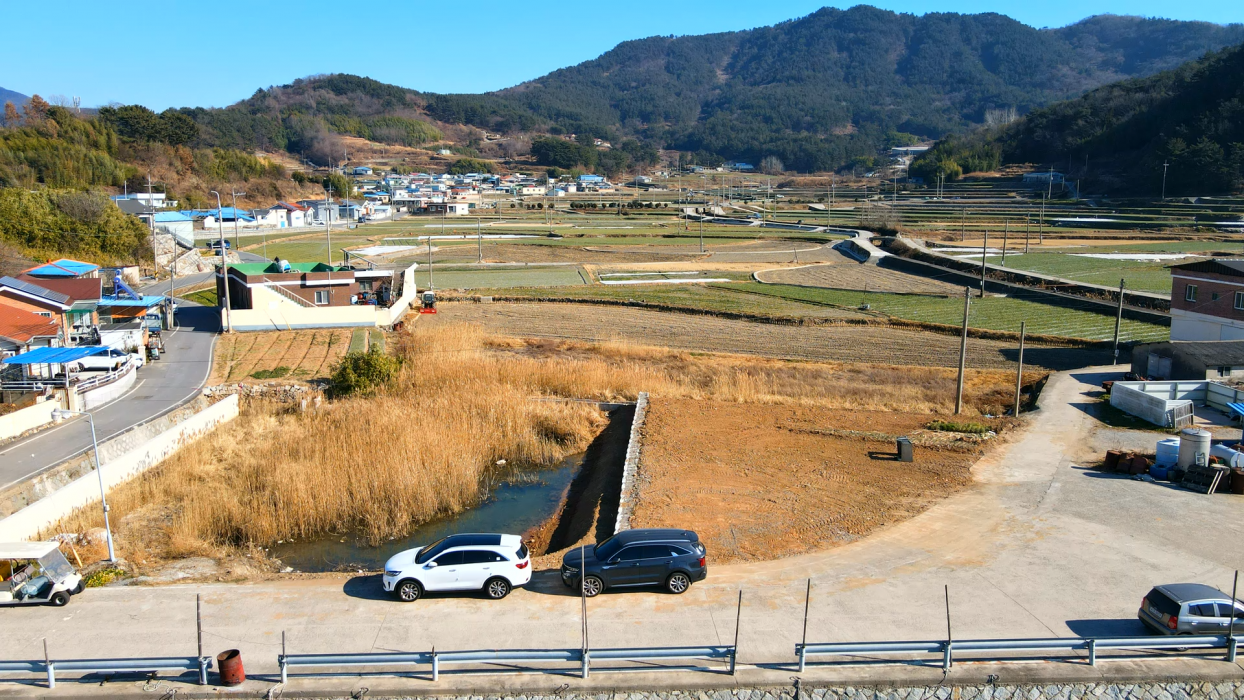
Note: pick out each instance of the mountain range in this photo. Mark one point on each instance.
(814, 92)
(17, 98)
(1184, 126)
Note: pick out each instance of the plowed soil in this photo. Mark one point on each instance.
(878, 344)
(758, 482)
(306, 354)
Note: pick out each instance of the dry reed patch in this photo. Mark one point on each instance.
(378, 465)
(760, 482)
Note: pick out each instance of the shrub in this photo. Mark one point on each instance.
(363, 372)
(274, 373)
(955, 427)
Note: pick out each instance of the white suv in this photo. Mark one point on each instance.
(494, 564)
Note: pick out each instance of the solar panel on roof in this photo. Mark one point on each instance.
(34, 289)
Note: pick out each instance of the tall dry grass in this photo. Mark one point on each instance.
(427, 445)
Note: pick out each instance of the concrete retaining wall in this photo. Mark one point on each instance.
(630, 468)
(28, 418)
(29, 521)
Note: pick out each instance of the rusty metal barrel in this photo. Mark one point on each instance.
(230, 664)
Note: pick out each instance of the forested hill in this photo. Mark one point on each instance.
(17, 98)
(1191, 117)
(815, 91)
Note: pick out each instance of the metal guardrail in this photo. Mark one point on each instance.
(51, 666)
(947, 648)
(583, 659)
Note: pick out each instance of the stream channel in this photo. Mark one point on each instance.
(514, 506)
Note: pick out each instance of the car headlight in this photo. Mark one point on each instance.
(392, 574)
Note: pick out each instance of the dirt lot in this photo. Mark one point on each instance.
(759, 482)
(846, 273)
(712, 334)
(307, 354)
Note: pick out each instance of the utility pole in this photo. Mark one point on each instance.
(227, 316)
(1165, 165)
(1019, 371)
(1027, 227)
(328, 223)
(479, 235)
(1118, 321)
(236, 242)
(963, 224)
(1041, 225)
(1006, 233)
(963, 349)
(984, 255)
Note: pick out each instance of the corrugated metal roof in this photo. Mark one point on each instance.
(146, 302)
(56, 356)
(1233, 268)
(63, 268)
(167, 216)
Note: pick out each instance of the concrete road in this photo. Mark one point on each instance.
(1038, 547)
(161, 386)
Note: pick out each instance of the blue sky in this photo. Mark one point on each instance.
(171, 53)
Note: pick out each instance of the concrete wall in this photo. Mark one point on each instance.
(272, 312)
(630, 468)
(29, 521)
(109, 392)
(28, 418)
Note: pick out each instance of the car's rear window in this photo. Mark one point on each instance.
(522, 551)
(1162, 602)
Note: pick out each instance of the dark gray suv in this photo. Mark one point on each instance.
(1190, 608)
(647, 557)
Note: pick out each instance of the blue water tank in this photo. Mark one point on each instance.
(1158, 473)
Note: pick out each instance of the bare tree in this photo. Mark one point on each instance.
(772, 165)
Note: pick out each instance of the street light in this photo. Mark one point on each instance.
(61, 414)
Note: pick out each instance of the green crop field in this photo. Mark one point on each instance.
(990, 313)
(1148, 276)
(499, 279)
(720, 298)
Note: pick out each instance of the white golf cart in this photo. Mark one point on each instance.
(36, 573)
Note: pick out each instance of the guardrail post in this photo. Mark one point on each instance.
(946, 655)
(47, 663)
(803, 656)
(1232, 644)
(284, 660)
(586, 663)
(203, 662)
(1092, 652)
(436, 666)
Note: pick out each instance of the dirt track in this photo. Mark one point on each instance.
(842, 272)
(712, 334)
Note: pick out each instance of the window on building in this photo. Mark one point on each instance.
(1239, 300)
(45, 314)
(365, 285)
(321, 297)
(1213, 296)
(1190, 293)
(1224, 371)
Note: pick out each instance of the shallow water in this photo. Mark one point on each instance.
(513, 507)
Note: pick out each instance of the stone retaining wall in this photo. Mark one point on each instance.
(630, 469)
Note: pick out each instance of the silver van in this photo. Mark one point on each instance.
(1190, 608)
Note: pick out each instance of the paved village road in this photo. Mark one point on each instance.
(160, 387)
(1037, 547)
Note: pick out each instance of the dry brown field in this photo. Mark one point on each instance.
(761, 482)
(309, 354)
(846, 273)
(835, 343)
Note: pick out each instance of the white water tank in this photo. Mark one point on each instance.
(1233, 458)
(1193, 442)
(1168, 452)
(282, 265)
